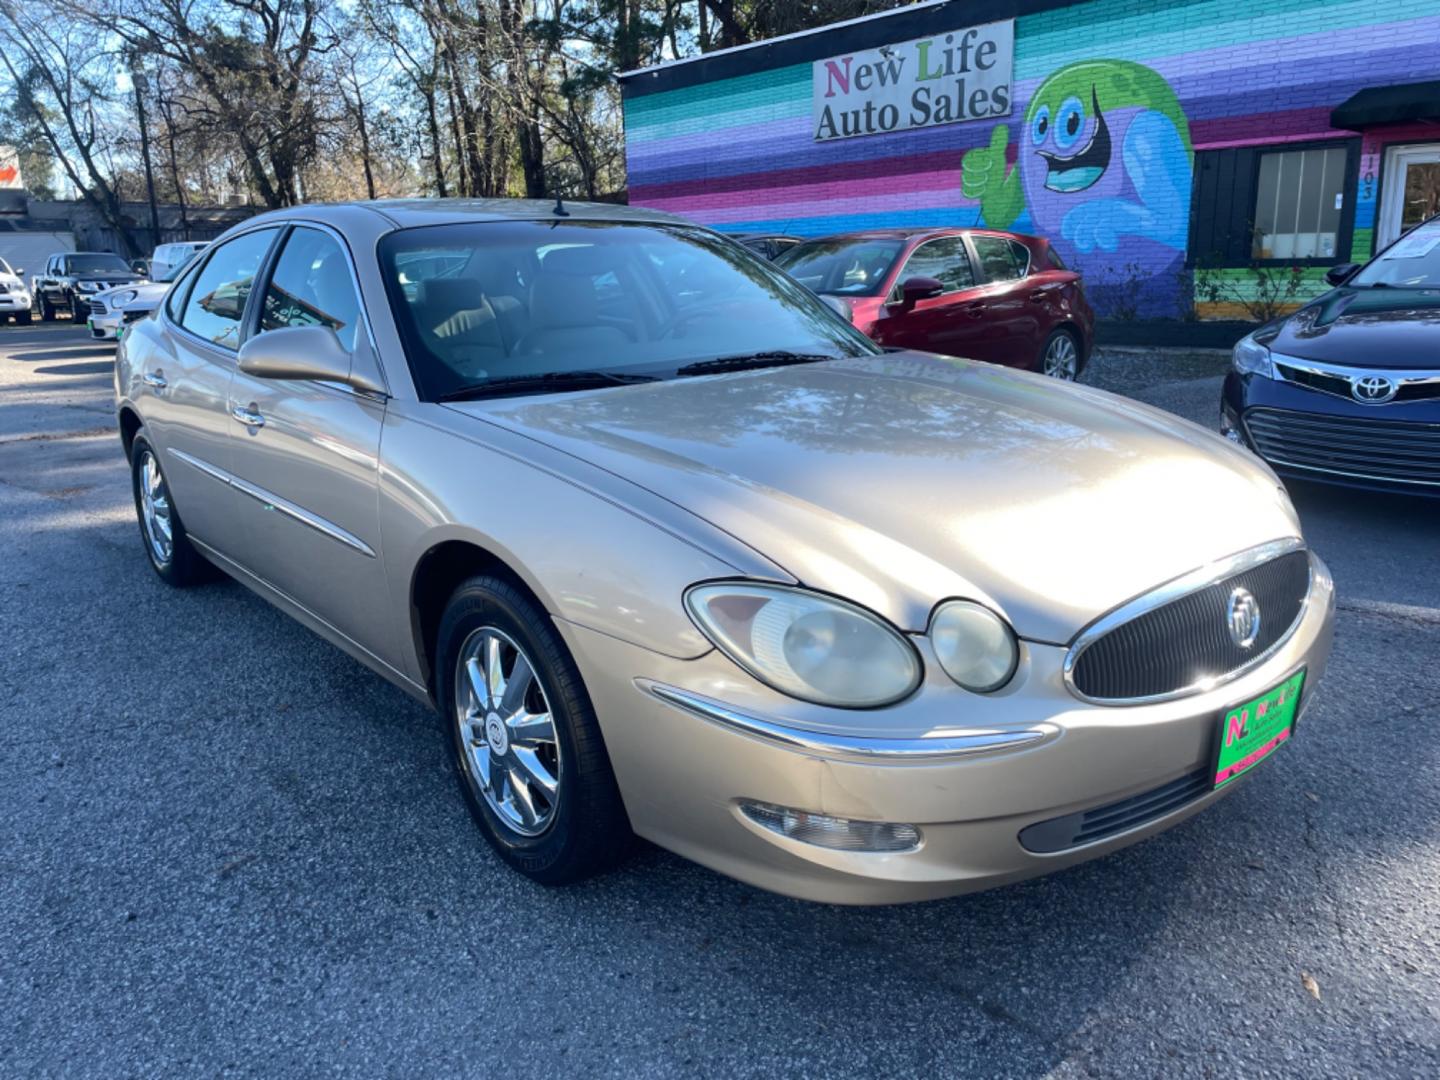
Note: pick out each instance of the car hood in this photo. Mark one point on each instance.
(147, 294)
(10, 281)
(1376, 328)
(901, 480)
(117, 277)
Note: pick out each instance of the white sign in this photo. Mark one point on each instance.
(10, 168)
(941, 79)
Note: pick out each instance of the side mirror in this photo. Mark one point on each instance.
(835, 304)
(1338, 275)
(18, 270)
(302, 353)
(918, 288)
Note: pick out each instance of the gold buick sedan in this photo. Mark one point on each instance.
(674, 551)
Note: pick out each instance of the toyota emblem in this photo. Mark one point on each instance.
(1244, 618)
(1372, 389)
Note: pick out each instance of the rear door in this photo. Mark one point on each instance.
(185, 389)
(1015, 306)
(306, 454)
(949, 323)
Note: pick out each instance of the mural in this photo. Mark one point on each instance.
(1103, 166)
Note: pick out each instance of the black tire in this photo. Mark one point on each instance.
(185, 566)
(22, 318)
(588, 831)
(47, 310)
(1054, 336)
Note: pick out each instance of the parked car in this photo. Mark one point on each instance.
(72, 277)
(113, 310)
(710, 565)
(14, 296)
(770, 245)
(1347, 389)
(168, 258)
(974, 293)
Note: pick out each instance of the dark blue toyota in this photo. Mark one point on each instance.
(1347, 389)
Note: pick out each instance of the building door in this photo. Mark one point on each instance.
(1411, 192)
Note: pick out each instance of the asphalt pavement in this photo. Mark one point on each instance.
(227, 849)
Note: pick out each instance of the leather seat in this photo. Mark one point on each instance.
(564, 315)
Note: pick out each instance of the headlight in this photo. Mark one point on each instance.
(120, 299)
(975, 646)
(812, 647)
(1252, 358)
(86, 286)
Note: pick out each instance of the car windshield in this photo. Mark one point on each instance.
(1413, 262)
(843, 267)
(89, 264)
(5, 267)
(519, 300)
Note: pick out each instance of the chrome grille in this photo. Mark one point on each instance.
(1409, 385)
(1086, 827)
(1178, 640)
(1394, 451)
(97, 307)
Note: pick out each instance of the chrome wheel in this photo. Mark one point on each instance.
(155, 509)
(506, 731)
(1062, 359)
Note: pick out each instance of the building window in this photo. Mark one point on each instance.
(1298, 198)
(1291, 204)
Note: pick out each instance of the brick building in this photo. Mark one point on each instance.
(1181, 153)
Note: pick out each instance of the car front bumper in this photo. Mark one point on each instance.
(11, 302)
(1307, 434)
(105, 327)
(971, 784)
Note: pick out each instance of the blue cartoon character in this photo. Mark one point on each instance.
(1104, 167)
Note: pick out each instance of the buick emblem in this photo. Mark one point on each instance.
(1244, 618)
(1372, 389)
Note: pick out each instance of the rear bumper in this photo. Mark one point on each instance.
(683, 773)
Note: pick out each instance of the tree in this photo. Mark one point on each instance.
(63, 77)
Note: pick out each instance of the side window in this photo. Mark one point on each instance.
(944, 260)
(311, 286)
(999, 259)
(217, 300)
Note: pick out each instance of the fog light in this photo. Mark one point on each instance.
(839, 834)
(1230, 428)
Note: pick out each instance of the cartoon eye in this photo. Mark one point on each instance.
(1040, 125)
(1069, 123)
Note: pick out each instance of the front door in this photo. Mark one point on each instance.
(1411, 191)
(306, 456)
(952, 323)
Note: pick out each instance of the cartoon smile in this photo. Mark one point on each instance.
(1084, 167)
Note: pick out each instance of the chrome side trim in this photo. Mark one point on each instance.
(271, 501)
(1197, 579)
(957, 742)
(212, 471)
(1399, 376)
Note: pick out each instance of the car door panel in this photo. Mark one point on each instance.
(951, 323)
(306, 458)
(1014, 307)
(186, 390)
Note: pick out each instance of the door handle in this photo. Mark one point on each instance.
(247, 415)
(1038, 296)
(155, 379)
(975, 309)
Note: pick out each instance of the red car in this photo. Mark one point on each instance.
(977, 293)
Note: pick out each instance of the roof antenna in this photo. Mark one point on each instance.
(560, 210)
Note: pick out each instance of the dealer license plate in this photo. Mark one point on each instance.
(1251, 732)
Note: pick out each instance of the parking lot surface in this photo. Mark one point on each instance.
(227, 849)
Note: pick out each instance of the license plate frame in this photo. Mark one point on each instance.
(1250, 731)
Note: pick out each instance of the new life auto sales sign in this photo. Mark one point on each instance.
(941, 79)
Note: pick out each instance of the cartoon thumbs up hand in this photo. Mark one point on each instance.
(983, 177)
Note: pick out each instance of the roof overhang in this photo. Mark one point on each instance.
(1406, 103)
